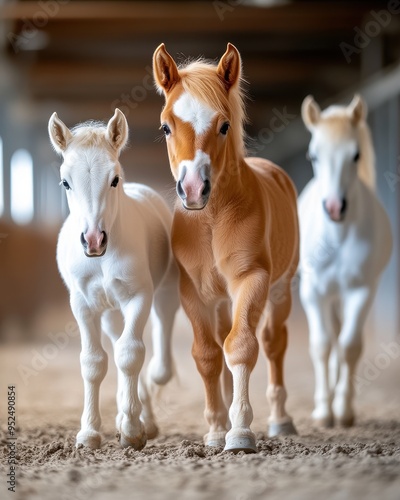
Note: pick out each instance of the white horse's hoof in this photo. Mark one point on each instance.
(240, 440)
(346, 421)
(215, 439)
(91, 439)
(136, 442)
(324, 422)
(283, 429)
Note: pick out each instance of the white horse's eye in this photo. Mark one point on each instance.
(356, 157)
(115, 181)
(65, 184)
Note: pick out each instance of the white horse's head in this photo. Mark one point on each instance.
(339, 141)
(91, 175)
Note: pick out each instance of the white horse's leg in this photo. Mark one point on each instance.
(321, 332)
(93, 360)
(129, 352)
(356, 304)
(165, 305)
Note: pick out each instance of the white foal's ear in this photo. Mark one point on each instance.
(310, 112)
(165, 70)
(230, 67)
(60, 135)
(357, 109)
(117, 130)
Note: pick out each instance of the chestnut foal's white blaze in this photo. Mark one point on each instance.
(114, 255)
(345, 245)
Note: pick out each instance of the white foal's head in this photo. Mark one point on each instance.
(334, 151)
(91, 175)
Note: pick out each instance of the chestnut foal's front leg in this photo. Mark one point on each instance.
(208, 356)
(241, 350)
(274, 339)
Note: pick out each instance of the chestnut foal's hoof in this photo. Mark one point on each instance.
(236, 442)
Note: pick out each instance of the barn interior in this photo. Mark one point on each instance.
(83, 59)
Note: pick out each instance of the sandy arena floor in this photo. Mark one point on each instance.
(363, 462)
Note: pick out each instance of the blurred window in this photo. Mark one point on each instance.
(21, 187)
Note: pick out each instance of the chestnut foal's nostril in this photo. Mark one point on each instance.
(180, 190)
(207, 188)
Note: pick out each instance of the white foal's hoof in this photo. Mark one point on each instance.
(91, 439)
(136, 442)
(151, 430)
(215, 439)
(282, 429)
(243, 440)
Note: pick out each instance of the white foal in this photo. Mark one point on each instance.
(115, 257)
(345, 245)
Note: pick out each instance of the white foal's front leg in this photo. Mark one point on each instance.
(322, 326)
(129, 352)
(165, 305)
(93, 360)
(356, 304)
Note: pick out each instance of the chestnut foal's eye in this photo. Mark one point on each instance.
(115, 181)
(224, 129)
(166, 129)
(65, 184)
(356, 157)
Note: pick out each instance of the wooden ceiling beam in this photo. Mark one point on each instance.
(122, 17)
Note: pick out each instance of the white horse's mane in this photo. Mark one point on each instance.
(366, 165)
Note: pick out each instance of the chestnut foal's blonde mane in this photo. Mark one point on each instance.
(200, 79)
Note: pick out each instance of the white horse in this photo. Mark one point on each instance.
(115, 257)
(345, 245)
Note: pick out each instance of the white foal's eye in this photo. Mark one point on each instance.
(356, 157)
(115, 181)
(65, 184)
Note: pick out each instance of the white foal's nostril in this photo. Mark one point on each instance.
(94, 243)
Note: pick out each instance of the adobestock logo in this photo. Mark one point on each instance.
(372, 28)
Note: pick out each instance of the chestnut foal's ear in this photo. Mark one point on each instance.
(165, 70)
(230, 67)
(60, 135)
(117, 130)
(357, 109)
(310, 112)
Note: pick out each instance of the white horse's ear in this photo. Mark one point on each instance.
(230, 67)
(310, 112)
(60, 135)
(357, 109)
(165, 70)
(117, 130)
